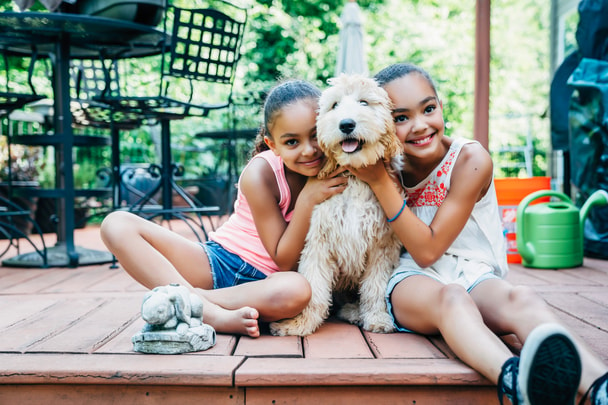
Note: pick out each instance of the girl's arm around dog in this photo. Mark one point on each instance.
(285, 240)
(426, 243)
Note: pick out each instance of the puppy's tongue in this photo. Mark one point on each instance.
(350, 146)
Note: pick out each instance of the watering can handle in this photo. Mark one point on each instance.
(525, 248)
(599, 197)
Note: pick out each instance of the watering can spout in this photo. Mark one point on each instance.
(599, 197)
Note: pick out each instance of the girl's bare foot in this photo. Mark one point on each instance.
(243, 321)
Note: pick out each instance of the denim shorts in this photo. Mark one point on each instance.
(228, 269)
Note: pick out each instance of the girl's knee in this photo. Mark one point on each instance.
(115, 224)
(107, 226)
(113, 218)
(525, 298)
(292, 293)
(297, 286)
(454, 295)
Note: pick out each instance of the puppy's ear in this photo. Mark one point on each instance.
(392, 144)
(330, 165)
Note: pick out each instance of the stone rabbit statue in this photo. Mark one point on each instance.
(174, 322)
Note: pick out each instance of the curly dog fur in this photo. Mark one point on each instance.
(350, 246)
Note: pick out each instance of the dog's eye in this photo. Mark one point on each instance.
(363, 102)
(334, 105)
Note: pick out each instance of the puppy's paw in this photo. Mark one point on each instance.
(350, 313)
(297, 326)
(379, 323)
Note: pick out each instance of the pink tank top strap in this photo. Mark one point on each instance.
(276, 163)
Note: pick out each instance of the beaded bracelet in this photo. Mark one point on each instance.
(399, 213)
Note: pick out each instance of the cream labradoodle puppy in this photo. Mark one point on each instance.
(350, 246)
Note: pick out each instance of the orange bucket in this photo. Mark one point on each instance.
(510, 191)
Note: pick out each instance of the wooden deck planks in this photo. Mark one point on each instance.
(57, 368)
(45, 324)
(402, 346)
(13, 314)
(12, 281)
(117, 280)
(51, 394)
(97, 326)
(121, 343)
(270, 346)
(377, 395)
(81, 280)
(337, 340)
(320, 372)
(65, 336)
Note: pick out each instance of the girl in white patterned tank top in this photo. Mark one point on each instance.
(450, 280)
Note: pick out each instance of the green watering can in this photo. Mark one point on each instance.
(550, 235)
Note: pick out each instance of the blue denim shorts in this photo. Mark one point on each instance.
(228, 269)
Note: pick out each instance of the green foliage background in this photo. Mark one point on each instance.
(288, 39)
(300, 39)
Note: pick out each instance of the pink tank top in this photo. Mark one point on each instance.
(239, 235)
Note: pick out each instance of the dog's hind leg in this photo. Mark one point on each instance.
(372, 303)
(306, 322)
(317, 310)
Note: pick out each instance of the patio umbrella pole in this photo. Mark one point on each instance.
(351, 53)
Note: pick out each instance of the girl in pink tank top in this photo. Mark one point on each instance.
(245, 272)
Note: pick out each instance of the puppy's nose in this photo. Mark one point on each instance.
(347, 126)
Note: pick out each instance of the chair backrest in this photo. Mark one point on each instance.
(205, 44)
(89, 80)
(11, 99)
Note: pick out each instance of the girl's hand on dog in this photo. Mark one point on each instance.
(317, 191)
(373, 174)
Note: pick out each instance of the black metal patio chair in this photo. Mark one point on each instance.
(197, 72)
(13, 217)
(91, 79)
(203, 48)
(11, 99)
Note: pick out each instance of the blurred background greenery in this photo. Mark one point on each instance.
(289, 39)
